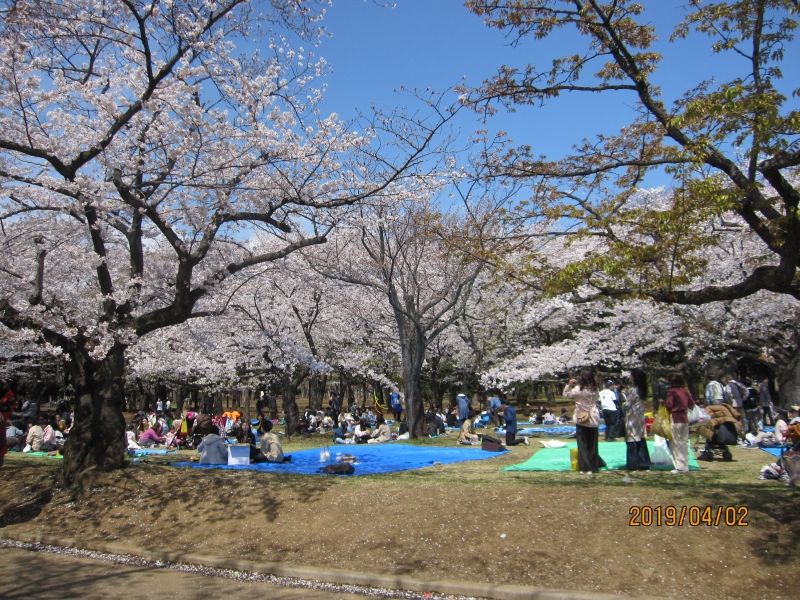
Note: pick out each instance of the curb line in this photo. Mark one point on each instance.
(327, 575)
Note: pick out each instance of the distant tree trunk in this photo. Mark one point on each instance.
(97, 439)
(316, 391)
(291, 383)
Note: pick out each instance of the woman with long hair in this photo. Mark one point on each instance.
(679, 401)
(583, 391)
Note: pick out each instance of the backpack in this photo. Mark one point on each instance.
(491, 444)
(750, 401)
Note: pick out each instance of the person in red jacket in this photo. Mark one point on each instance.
(679, 401)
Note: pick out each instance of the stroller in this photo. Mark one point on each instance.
(721, 431)
(724, 435)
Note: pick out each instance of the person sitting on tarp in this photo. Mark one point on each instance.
(213, 450)
(771, 438)
(467, 435)
(271, 448)
(152, 436)
(361, 433)
(382, 433)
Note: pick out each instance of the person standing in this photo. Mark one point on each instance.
(510, 417)
(634, 393)
(714, 391)
(587, 419)
(659, 392)
(765, 400)
(678, 403)
(610, 413)
(495, 410)
(462, 403)
(737, 392)
(396, 405)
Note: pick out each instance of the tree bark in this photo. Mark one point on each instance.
(413, 353)
(97, 439)
(788, 379)
(316, 391)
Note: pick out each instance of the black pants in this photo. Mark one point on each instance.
(611, 418)
(512, 440)
(588, 457)
(638, 456)
(766, 411)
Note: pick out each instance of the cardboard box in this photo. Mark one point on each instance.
(239, 454)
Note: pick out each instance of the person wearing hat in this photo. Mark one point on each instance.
(610, 413)
(510, 417)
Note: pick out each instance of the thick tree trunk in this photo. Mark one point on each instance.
(97, 439)
(413, 354)
(291, 414)
(788, 379)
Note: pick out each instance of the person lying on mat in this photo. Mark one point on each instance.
(467, 435)
(382, 433)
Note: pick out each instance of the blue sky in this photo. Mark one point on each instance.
(374, 50)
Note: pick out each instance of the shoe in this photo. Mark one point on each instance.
(527, 441)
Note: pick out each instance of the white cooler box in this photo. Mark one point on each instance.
(239, 454)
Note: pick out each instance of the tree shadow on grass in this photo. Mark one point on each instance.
(23, 503)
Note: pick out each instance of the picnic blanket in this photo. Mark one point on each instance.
(370, 459)
(147, 451)
(39, 454)
(774, 450)
(554, 430)
(557, 459)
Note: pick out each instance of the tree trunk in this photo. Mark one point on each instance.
(97, 438)
(788, 379)
(316, 391)
(291, 414)
(413, 354)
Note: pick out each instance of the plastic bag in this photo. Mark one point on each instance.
(697, 415)
(662, 426)
(661, 457)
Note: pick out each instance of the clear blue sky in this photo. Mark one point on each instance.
(374, 50)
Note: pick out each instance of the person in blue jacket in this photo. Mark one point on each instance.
(462, 403)
(510, 416)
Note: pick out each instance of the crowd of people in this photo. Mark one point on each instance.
(733, 412)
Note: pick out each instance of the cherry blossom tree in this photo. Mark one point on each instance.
(402, 251)
(140, 142)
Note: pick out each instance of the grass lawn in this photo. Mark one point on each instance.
(467, 521)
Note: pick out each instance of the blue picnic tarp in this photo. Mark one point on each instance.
(554, 430)
(370, 459)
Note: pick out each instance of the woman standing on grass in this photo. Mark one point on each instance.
(587, 418)
(678, 403)
(634, 391)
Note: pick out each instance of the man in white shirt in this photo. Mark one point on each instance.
(714, 391)
(610, 412)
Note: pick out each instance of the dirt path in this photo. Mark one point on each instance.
(26, 575)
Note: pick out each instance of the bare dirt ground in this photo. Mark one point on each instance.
(468, 521)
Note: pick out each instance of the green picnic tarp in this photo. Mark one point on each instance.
(557, 459)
